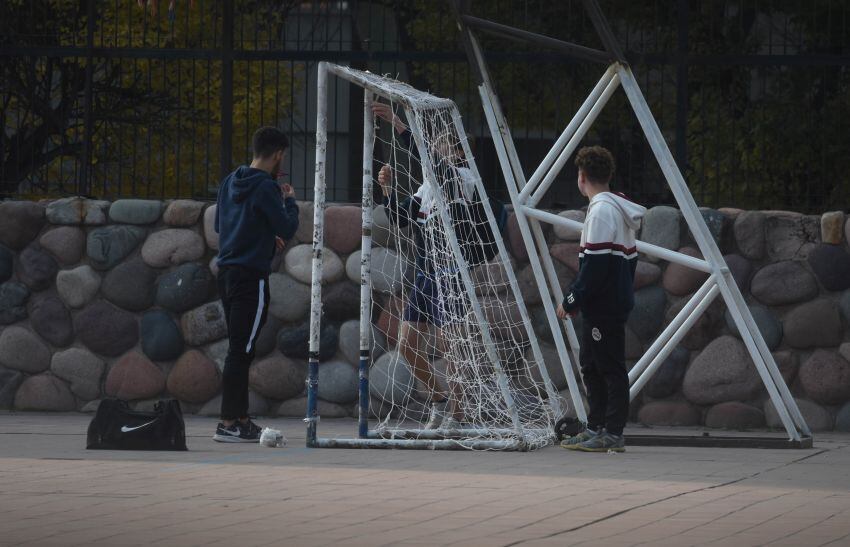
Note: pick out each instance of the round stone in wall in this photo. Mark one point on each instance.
(22, 350)
(662, 227)
(750, 234)
(66, 243)
(77, 211)
(290, 300)
(669, 413)
(204, 324)
(36, 268)
(278, 377)
(648, 314)
(382, 230)
(13, 302)
(78, 286)
(172, 247)
(294, 341)
(769, 325)
(135, 211)
(813, 324)
(681, 280)
(109, 245)
(183, 212)
(130, 285)
(349, 341)
(504, 318)
(298, 263)
(742, 271)
(338, 382)
(817, 417)
(51, 320)
(567, 254)
(390, 379)
(568, 234)
(304, 234)
(341, 301)
(46, 393)
(82, 369)
(842, 418)
(134, 377)
(7, 263)
(723, 371)
(781, 283)
(106, 330)
(646, 274)
(826, 377)
(513, 239)
(831, 264)
(194, 378)
(185, 287)
(668, 377)
(343, 228)
(20, 223)
(554, 365)
(210, 235)
(161, 338)
(388, 270)
(734, 415)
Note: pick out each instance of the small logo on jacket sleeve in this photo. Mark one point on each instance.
(597, 336)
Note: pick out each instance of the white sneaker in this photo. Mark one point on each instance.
(438, 414)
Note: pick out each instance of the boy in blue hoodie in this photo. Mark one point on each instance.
(253, 218)
(603, 292)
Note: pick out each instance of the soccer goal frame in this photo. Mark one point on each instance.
(398, 438)
(526, 195)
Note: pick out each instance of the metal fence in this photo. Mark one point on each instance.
(112, 99)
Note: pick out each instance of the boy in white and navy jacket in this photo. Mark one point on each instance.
(603, 293)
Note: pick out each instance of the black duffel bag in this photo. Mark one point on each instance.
(117, 427)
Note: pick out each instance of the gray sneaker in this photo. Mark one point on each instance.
(601, 442)
(438, 415)
(576, 439)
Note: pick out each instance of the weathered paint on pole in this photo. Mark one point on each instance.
(365, 267)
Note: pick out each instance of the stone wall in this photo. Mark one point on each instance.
(118, 299)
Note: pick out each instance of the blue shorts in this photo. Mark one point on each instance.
(425, 304)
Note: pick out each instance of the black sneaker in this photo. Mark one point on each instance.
(236, 433)
(253, 430)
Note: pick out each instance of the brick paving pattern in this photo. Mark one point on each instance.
(54, 492)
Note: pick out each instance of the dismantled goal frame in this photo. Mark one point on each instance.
(526, 194)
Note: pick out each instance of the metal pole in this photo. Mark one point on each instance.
(84, 188)
(671, 329)
(643, 247)
(312, 418)
(226, 111)
(779, 393)
(544, 166)
(677, 337)
(511, 172)
(574, 141)
(365, 267)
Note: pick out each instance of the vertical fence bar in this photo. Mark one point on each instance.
(682, 13)
(318, 243)
(365, 267)
(226, 152)
(84, 184)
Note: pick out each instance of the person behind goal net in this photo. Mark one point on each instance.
(429, 304)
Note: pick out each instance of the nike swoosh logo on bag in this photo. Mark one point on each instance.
(125, 429)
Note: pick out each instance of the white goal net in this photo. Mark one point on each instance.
(447, 317)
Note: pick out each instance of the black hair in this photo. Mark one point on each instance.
(267, 141)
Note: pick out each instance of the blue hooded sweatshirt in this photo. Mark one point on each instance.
(250, 213)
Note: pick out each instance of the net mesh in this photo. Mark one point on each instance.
(448, 320)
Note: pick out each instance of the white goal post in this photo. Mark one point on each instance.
(493, 365)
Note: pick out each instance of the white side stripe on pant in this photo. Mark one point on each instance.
(260, 303)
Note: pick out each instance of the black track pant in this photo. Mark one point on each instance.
(245, 297)
(603, 370)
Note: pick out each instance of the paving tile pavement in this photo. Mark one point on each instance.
(54, 492)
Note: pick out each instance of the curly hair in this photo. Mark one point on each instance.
(597, 163)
